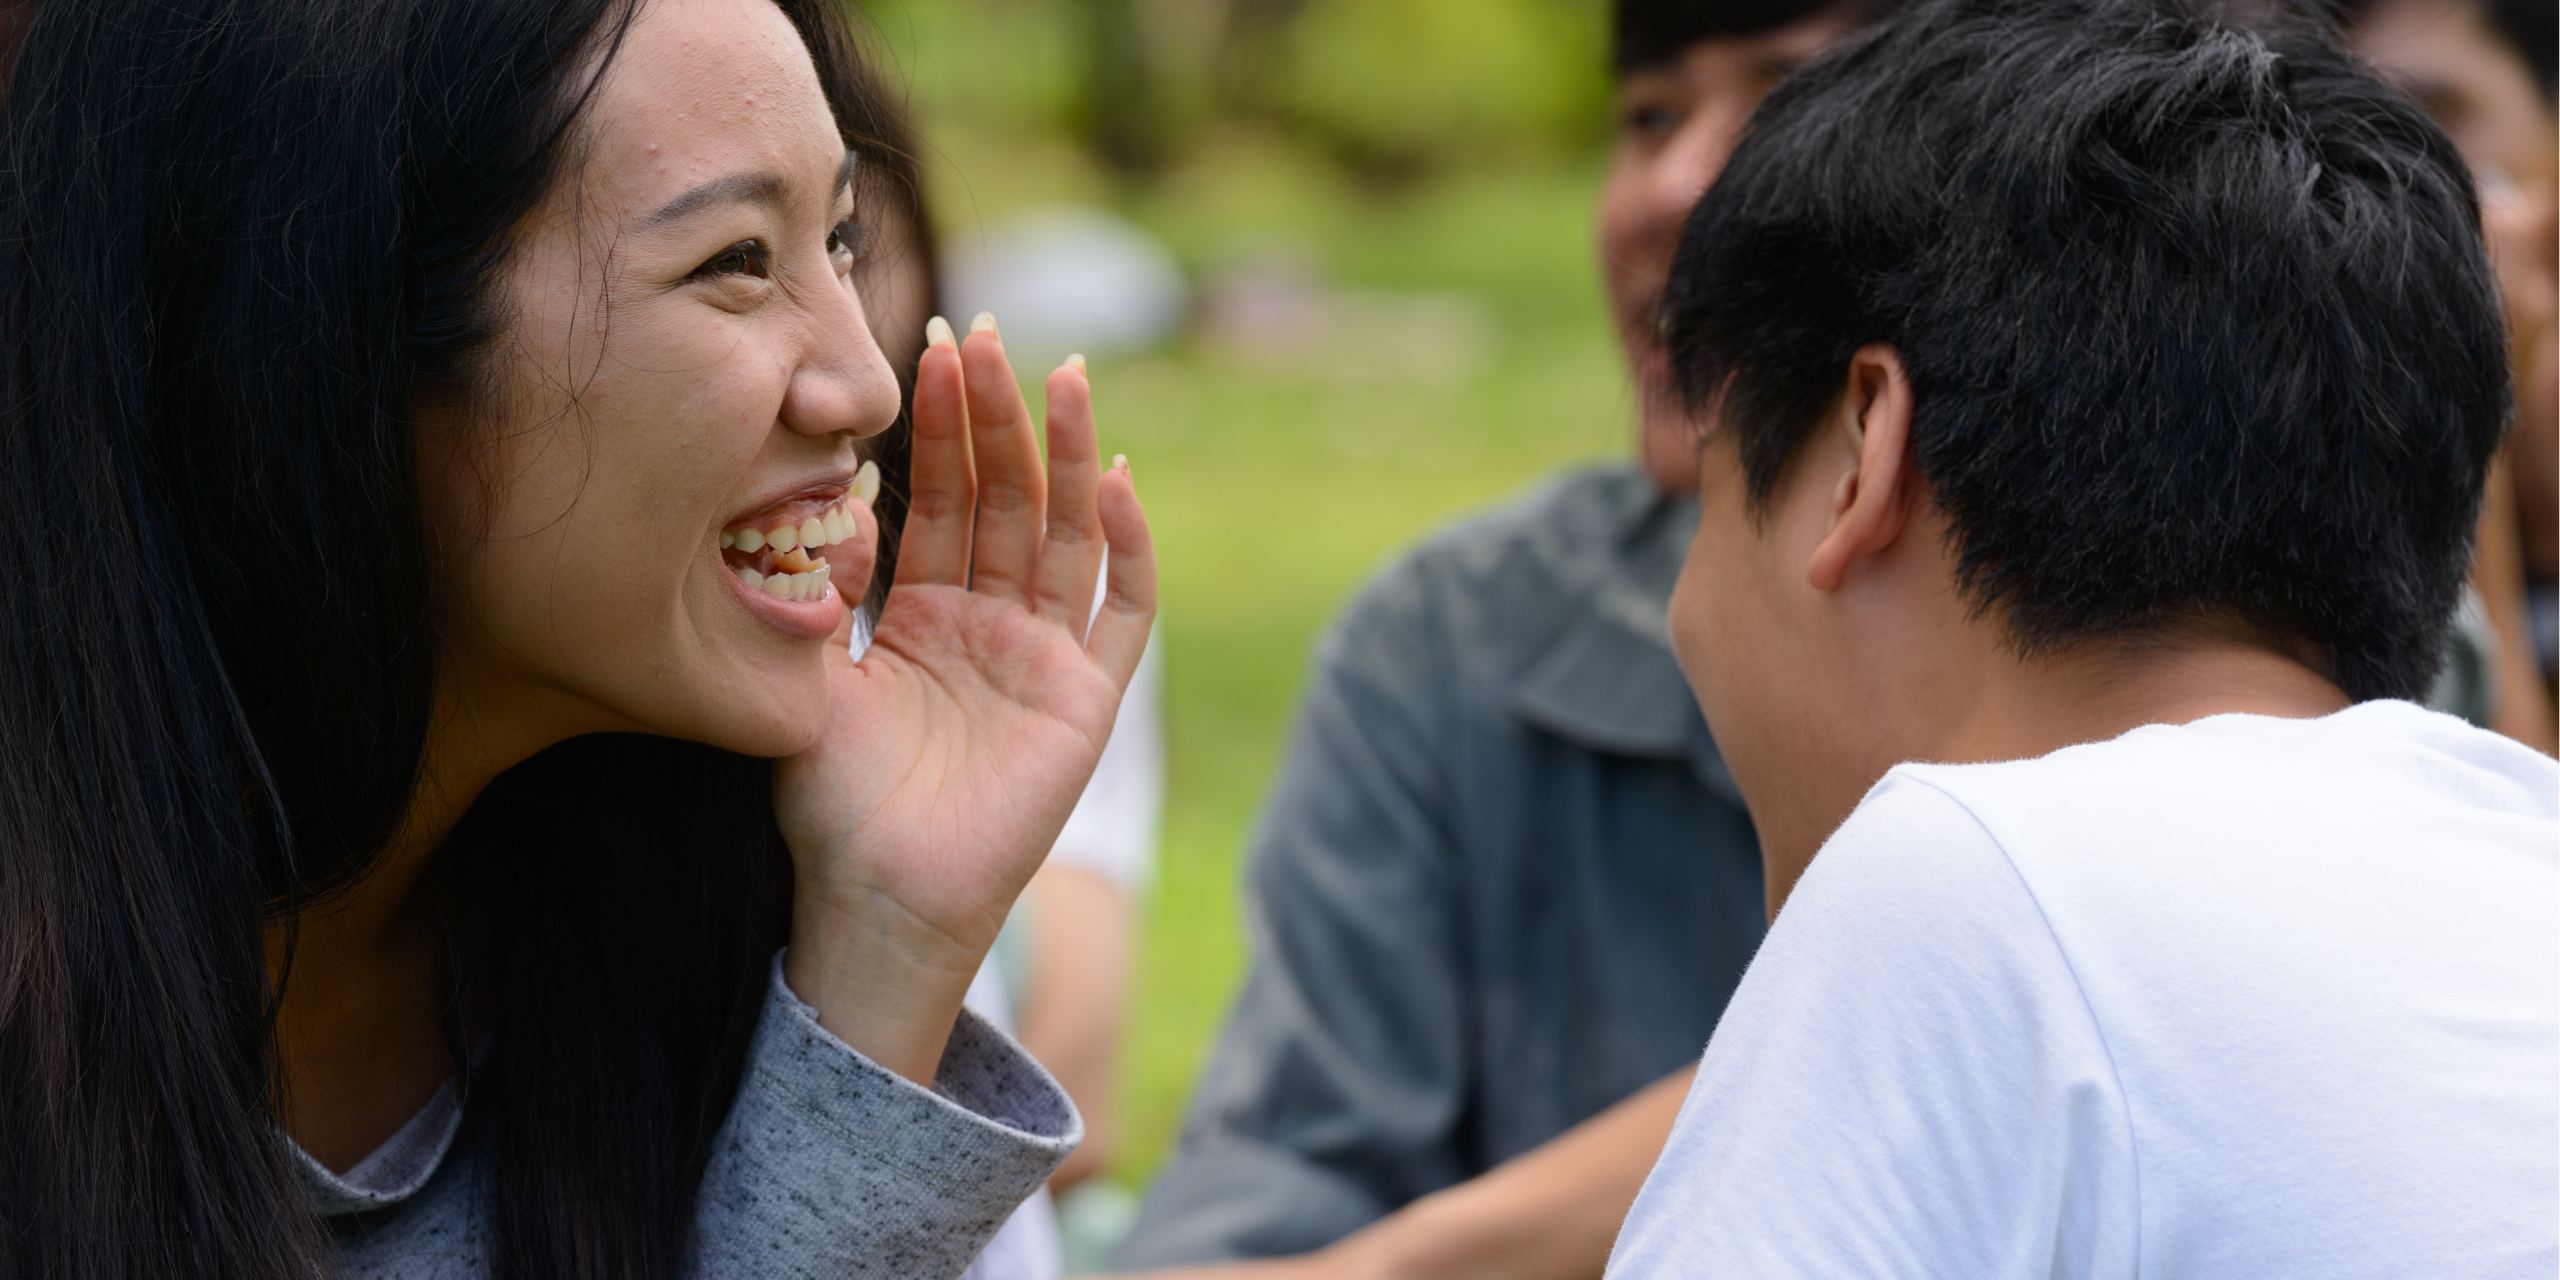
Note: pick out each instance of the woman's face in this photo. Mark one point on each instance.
(684, 373)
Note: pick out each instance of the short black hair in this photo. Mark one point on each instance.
(2197, 318)
(1647, 34)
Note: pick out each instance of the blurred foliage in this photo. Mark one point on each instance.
(1410, 85)
(1386, 89)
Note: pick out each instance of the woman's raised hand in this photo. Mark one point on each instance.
(958, 745)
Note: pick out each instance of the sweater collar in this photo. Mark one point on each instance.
(395, 1171)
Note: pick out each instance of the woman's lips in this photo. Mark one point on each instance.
(814, 618)
(781, 550)
(796, 565)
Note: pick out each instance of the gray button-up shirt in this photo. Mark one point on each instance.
(1504, 881)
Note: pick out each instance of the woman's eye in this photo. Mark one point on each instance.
(846, 238)
(745, 258)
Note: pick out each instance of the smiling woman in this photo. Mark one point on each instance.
(471, 850)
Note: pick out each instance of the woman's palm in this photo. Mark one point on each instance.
(959, 743)
(956, 748)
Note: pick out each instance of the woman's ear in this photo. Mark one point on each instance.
(1871, 501)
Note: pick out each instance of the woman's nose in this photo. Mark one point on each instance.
(843, 384)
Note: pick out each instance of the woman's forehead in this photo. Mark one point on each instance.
(703, 89)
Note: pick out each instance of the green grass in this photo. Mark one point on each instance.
(1275, 489)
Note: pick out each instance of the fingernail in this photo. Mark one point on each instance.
(866, 483)
(985, 323)
(937, 333)
(1076, 362)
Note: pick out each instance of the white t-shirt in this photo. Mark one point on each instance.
(2244, 998)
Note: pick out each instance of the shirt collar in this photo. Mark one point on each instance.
(395, 1171)
(1606, 677)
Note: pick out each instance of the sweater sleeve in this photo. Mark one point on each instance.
(831, 1165)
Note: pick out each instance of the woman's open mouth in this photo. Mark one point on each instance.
(778, 551)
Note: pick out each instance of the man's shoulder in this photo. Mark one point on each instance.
(2069, 811)
(2245, 808)
(1565, 527)
(1499, 574)
(2065, 816)
(2255, 761)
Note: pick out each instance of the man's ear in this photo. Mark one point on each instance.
(1872, 500)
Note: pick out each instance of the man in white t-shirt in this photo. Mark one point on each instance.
(2094, 400)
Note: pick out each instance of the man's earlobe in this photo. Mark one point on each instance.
(1871, 503)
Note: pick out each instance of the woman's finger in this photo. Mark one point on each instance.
(941, 476)
(843, 557)
(1071, 551)
(1119, 636)
(1012, 493)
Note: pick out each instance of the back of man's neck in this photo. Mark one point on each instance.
(2024, 708)
(2018, 709)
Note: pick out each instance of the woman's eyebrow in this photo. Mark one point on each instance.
(759, 187)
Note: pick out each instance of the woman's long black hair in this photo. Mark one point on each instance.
(241, 241)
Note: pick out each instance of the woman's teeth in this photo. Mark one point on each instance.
(809, 585)
(830, 526)
(782, 561)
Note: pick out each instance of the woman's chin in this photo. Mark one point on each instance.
(770, 715)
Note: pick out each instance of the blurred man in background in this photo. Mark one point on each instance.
(1504, 882)
(2484, 70)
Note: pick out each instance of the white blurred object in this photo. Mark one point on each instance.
(1066, 279)
(1027, 1246)
(1275, 312)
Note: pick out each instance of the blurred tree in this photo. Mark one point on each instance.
(1248, 76)
(1395, 90)
(1117, 108)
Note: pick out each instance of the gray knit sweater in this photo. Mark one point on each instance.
(828, 1165)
